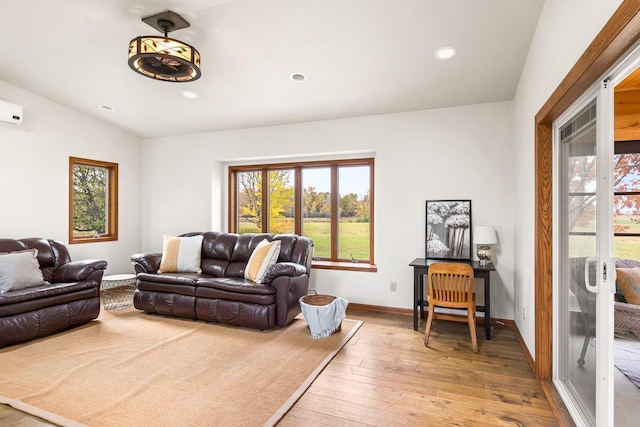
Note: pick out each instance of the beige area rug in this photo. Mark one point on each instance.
(133, 369)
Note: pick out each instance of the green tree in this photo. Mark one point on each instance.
(281, 200)
(89, 199)
(348, 205)
(362, 210)
(316, 205)
(250, 197)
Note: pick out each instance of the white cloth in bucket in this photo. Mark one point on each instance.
(323, 320)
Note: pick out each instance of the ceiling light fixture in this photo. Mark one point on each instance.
(162, 58)
(446, 52)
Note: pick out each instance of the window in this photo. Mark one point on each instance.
(330, 202)
(626, 199)
(93, 195)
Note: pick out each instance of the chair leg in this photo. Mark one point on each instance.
(585, 345)
(471, 316)
(427, 329)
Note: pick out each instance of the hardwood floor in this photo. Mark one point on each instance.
(386, 377)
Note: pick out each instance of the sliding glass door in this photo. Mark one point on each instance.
(583, 266)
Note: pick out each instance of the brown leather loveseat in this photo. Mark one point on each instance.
(221, 293)
(69, 297)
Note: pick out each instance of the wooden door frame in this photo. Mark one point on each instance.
(619, 34)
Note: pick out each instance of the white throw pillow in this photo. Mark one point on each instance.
(263, 256)
(181, 254)
(20, 270)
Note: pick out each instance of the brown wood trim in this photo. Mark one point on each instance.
(112, 230)
(371, 211)
(299, 203)
(557, 405)
(312, 163)
(543, 250)
(335, 212)
(613, 41)
(233, 201)
(409, 312)
(340, 265)
(381, 309)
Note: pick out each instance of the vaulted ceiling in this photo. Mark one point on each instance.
(360, 57)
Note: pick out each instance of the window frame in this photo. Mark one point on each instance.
(626, 147)
(111, 233)
(333, 262)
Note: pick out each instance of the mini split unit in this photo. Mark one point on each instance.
(10, 113)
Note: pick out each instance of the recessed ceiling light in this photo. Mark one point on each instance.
(106, 107)
(446, 52)
(298, 77)
(189, 94)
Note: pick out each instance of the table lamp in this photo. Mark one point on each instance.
(483, 236)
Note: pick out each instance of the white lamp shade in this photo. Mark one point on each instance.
(484, 235)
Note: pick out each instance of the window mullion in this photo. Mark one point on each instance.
(334, 212)
(298, 195)
(265, 200)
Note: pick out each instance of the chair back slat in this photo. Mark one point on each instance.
(450, 283)
(451, 286)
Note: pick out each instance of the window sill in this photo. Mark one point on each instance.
(347, 266)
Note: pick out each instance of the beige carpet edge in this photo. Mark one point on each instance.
(277, 416)
(40, 413)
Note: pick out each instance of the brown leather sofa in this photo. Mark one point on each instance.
(70, 298)
(220, 293)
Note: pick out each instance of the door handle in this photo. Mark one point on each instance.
(588, 285)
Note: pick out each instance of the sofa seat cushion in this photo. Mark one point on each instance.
(188, 279)
(235, 284)
(46, 291)
(167, 288)
(231, 294)
(18, 304)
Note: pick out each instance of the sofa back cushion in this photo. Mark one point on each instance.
(227, 254)
(51, 253)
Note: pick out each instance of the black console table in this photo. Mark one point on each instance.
(420, 268)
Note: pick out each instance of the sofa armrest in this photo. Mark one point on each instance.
(146, 263)
(76, 271)
(289, 269)
(289, 290)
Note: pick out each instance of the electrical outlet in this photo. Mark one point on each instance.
(392, 286)
(524, 314)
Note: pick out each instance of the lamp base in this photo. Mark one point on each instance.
(484, 254)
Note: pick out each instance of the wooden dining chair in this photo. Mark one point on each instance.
(451, 286)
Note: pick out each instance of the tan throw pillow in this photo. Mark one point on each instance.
(181, 254)
(628, 283)
(263, 256)
(19, 270)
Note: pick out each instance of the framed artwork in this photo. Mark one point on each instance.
(448, 230)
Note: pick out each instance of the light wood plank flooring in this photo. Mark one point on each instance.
(386, 377)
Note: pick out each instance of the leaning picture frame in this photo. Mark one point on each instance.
(448, 230)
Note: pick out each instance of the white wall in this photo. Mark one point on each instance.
(565, 29)
(34, 175)
(453, 153)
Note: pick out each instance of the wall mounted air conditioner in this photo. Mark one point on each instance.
(10, 113)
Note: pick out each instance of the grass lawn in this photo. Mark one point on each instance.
(353, 237)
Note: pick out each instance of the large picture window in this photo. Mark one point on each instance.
(329, 202)
(93, 195)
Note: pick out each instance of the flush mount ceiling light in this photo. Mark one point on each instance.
(162, 58)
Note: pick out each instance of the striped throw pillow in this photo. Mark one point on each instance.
(263, 256)
(181, 254)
